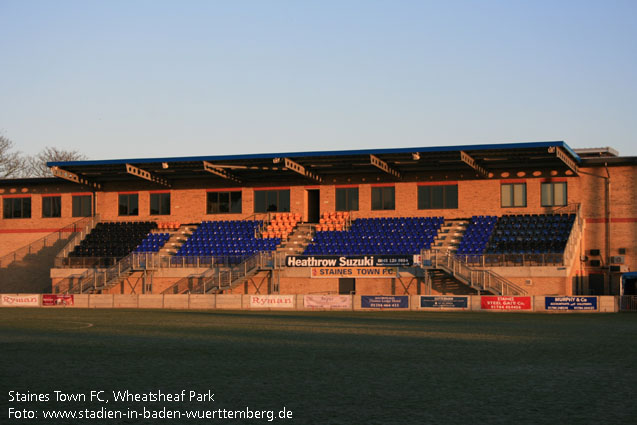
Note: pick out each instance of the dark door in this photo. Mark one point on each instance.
(313, 205)
(346, 285)
(629, 286)
(596, 284)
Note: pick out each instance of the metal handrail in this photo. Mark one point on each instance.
(218, 277)
(95, 279)
(89, 224)
(39, 244)
(480, 279)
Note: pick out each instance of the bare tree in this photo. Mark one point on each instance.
(12, 163)
(36, 164)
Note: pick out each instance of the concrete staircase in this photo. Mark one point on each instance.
(444, 284)
(450, 234)
(177, 239)
(297, 240)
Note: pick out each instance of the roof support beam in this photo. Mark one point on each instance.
(298, 168)
(468, 159)
(379, 163)
(75, 178)
(570, 163)
(214, 169)
(245, 167)
(131, 169)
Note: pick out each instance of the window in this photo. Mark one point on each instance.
(160, 204)
(17, 207)
(347, 199)
(272, 200)
(129, 204)
(554, 194)
(82, 206)
(51, 206)
(513, 194)
(383, 198)
(438, 197)
(224, 203)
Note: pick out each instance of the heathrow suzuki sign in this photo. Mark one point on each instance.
(349, 261)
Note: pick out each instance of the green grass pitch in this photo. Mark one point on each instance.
(330, 367)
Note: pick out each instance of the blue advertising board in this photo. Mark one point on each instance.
(570, 303)
(384, 301)
(443, 302)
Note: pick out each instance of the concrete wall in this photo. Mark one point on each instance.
(536, 304)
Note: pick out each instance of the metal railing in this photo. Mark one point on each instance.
(76, 284)
(513, 260)
(219, 277)
(479, 279)
(84, 226)
(85, 262)
(46, 241)
(628, 303)
(94, 279)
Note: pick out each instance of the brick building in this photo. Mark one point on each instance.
(597, 186)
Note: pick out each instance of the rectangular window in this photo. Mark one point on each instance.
(347, 199)
(554, 194)
(82, 206)
(51, 206)
(129, 204)
(160, 204)
(17, 207)
(383, 198)
(224, 203)
(513, 195)
(438, 197)
(272, 200)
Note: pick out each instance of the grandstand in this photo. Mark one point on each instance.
(535, 218)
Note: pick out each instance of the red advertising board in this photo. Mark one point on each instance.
(505, 303)
(52, 300)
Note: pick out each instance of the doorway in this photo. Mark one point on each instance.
(346, 285)
(313, 205)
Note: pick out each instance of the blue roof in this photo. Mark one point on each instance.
(430, 149)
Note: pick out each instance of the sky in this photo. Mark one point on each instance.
(130, 79)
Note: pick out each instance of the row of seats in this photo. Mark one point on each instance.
(113, 239)
(168, 225)
(281, 225)
(509, 234)
(377, 236)
(530, 234)
(233, 238)
(334, 220)
(153, 242)
(477, 235)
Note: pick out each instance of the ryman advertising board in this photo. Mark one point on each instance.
(271, 301)
(21, 300)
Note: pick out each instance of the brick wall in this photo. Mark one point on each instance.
(475, 197)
